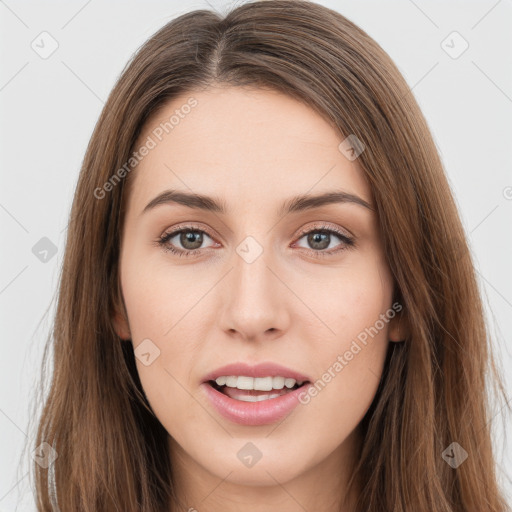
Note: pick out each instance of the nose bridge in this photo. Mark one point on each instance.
(254, 302)
(251, 271)
(253, 283)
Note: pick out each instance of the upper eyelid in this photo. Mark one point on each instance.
(186, 227)
(326, 225)
(323, 225)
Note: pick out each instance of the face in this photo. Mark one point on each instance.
(299, 290)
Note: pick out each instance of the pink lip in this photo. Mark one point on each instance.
(253, 413)
(266, 369)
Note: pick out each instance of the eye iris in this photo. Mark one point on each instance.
(314, 239)
(195, 238)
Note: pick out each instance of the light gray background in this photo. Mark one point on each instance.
(49, 108)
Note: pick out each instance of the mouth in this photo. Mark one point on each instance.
(254, 394)
(248, 389)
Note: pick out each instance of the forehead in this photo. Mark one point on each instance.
(244, 144)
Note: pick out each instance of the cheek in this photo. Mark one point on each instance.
(346, 301)
(356, 306)
(159, 297)
(163, 323)
(166, 381)
(347, 380)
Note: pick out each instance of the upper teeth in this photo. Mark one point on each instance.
(257, 383)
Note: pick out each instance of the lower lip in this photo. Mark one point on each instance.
(254, 413)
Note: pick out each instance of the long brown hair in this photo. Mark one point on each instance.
(434, 390)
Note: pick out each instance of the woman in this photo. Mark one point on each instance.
(267, 299)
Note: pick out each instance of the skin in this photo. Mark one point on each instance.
(254, 149)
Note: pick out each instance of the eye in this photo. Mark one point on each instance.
(191, 239)
(320, 238)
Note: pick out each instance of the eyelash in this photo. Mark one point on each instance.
(163, 240)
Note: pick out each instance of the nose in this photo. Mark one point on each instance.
(254, 299)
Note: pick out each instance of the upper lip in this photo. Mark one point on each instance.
(265, 369)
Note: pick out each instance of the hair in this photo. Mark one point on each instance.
(434, 388)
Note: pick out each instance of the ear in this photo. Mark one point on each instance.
(398, 327)
(120, 323)
(120, 317)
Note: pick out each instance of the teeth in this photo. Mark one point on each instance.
(289, 383)
(258, 383)
(231, 381)
(260, 398)
(278, 382)
(245, 383)
(262, 383)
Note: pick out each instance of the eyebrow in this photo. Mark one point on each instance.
(295, 204)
